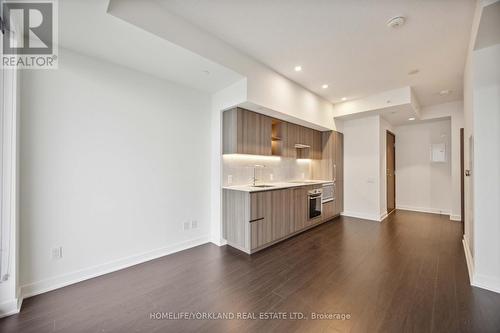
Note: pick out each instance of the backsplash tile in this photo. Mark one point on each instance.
(282, 169)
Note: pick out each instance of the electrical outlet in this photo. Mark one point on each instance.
(271, 177)
(194, 224)
(57, 253)
(229, 179)
(187, 225)
(303, 175)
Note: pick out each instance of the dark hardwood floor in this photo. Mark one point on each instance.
(406, 274)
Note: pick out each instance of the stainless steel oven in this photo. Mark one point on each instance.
(315, 204)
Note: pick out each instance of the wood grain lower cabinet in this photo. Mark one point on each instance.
(328, 210)
(282, 202)
(300, 208)
(261, 233)
(253, 221)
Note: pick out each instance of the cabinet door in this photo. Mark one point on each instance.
(260, 205)
(265, 135)
(292, 139)
(328, 210)
(250, 133)
(317, 145)
(282, 215)
(300, 215)
(260, 233)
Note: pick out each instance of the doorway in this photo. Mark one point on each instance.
(390, 174)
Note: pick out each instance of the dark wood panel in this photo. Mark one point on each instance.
(406, 274)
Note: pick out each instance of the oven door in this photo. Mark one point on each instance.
(314, 205)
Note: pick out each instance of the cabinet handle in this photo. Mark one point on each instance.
(335, 172)
(255, 220)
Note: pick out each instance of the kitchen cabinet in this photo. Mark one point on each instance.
(331, 165)
(282, 215)
(246, 132)
(300, 208)
(317, 145)
(271, 216)
(328, 210)
(255, 220)
(261, 233)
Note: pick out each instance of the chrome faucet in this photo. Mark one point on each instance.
(254, 179)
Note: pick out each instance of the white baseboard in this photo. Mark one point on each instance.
(60, 281)
(218, 242)
(424, 209)
(363, 216)
(456, 218)
(383, 216)
(469, 260)
(486, 282)
(11, 307)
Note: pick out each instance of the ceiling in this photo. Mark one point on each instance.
(346, 44)
(395, 115)
(85, 26)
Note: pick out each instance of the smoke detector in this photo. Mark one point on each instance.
(396, 22)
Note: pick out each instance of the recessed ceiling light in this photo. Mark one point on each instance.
(324, 86)
(413, 72)
(411, 118)
(396, 22)
(344, 98)
(445, 92)
(297, 68)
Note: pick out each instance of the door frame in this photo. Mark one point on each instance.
(462, 180)
(394, 173)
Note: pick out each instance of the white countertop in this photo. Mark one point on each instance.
(276, 186)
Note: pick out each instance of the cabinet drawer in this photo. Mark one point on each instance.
(328, 210)
(260, 233)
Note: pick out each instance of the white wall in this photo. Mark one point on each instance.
(455, 112)
(482, 150)
(486, 114)
(362, 168)
(422, 185)
(113, 162)
(9, 191)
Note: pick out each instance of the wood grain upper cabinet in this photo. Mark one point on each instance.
(265, 132)
(317, 145)
(246, 132)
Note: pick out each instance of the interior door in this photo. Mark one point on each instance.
(391, 167)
